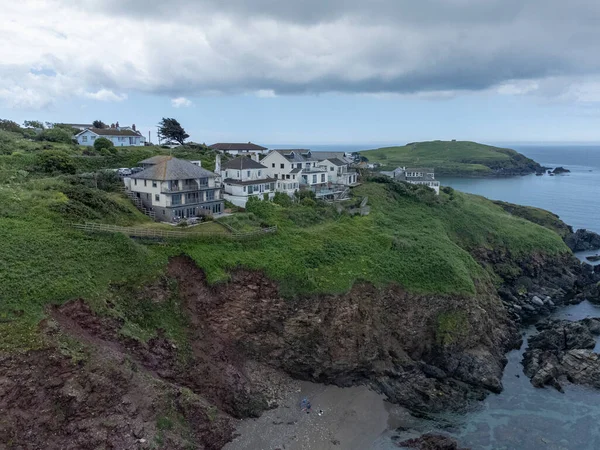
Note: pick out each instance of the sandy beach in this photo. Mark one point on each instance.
(351, 418)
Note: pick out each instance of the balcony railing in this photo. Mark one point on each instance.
(187, 188)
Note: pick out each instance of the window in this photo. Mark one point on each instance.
(294, 177)
(259, 172)
(314, 178)
(135, 182)
(248, 173)
(331, 168)
(176, 199)
(282, 166)
(273, 165)
(84, 138)
(157, 197)
(144, 182)
(287, 177)
(238, 173)
(227, 174)
(210, 195)
(154, 184)
(272, 186)
(308, 164)
(121, 139)
(244, 188)
(203, 182)
(93, 138)
(322, 178)
(299, 165)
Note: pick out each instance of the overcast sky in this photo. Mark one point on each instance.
(310, 71)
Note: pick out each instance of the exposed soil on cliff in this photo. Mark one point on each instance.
(425, 352)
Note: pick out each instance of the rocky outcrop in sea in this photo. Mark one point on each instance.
(563, 351)
(583, 240)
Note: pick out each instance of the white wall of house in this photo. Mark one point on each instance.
(239, 195)
(244, 175)
(88, 138)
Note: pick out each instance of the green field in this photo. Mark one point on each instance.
(412, 237)
(461, 158)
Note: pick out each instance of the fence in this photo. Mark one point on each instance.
(143, 232)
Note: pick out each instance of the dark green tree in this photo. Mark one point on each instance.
(33, 124)
(54, 161)
(9, 125)
(171, 130)
(99, 124)
(55, 134)
(103, 143)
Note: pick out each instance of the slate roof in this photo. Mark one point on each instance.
(112, 132)
(248, 182)
(337, 162)
(154, 160)
(425, 177)
(296, 170)
(171, 168)
(329, 155)
(226, 146)
(297, 154)
(241, 163)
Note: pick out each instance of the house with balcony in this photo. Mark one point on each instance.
(175, 188)
(339, 173)
(286, 167)
(245, 177)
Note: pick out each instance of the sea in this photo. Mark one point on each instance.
(522, 417)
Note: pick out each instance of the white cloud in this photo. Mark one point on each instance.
(265, 93)
(180, 102)
(105, 95)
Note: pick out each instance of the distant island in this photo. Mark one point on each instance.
(455, 158)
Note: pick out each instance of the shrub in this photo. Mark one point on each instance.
(54, 161)
(282, 199)
(55, 135)
(306, 201)
(103, 143)
(262, 210)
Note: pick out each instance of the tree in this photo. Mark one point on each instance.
(56, 134)
(53, 161)
(9, 125)
(99, 124)
(33, 124)
(171, 130)
(104, 144)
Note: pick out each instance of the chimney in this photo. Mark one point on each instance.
(255, 157)
(117, 125)
(218, 164)
(112, 125)
(133, 127)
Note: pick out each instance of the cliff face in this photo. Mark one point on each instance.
(410, 347)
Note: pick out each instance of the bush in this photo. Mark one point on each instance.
(55, 135)
(282, 199)
(54, 161)
(263, 210)
(104, 143)
(306, 201)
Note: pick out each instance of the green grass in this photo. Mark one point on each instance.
(413, 238)
(452, 158)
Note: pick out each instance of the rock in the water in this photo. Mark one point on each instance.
(593, 258)
(561, 351)
(560, 170)
(583, 240)
(431, 442)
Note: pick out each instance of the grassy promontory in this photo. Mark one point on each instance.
(455, 158)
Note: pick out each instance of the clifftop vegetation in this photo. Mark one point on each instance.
(412, 237)
(461, 158)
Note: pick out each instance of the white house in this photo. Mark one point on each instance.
(173, 187)
(286, 168)
(422, 176)
(339, 173)
(119, 136)
(236, 148)
(245, 177)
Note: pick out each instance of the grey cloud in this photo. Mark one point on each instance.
(189, 47)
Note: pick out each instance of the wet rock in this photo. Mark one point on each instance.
(583, 240)
(431, 442)
(563, 351)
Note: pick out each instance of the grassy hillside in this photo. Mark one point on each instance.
(461, 158)
(411, 237)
